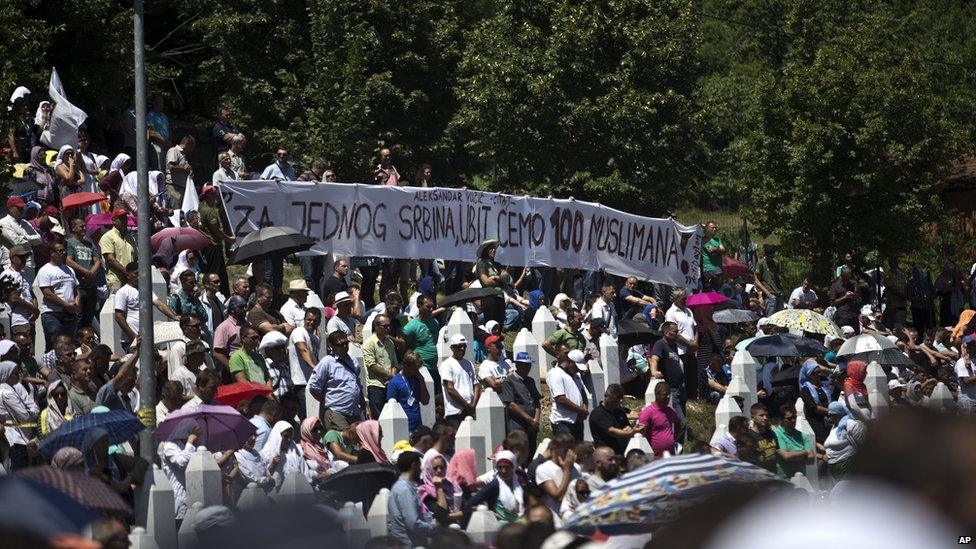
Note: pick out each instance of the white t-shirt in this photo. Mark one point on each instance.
(62, 280)
(187, 379)
(461, 373)
(686, 324)
(301, 372)
(497, 370)
(800, 294)
(336, 324)
(127, 301)
(966, 390)
(293, 314)
(550, 471)
(561, 383)
(19, 314)
(604, 310)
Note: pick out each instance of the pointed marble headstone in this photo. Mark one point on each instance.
(428, 413)
(727, 409)
(39, 348)
(467, 437)
(598, 384)
(543, 326)
(745, 366)
(253, 497)
(460, 323)
(878, 402)
(719, 432)
(876, 380)
(161, 511)
(109, 332)
(378, 513)
(160, 287)
(311, 404)
(649, 392)
(394, 425)
(354, 524)
(295, 490)
(638, 442)
(614, 361)
(527, 343)
(482, 526)
(803, 425)
(188, 535)
(204, 479)
(941, 399)
(738, 388)
(490, 420)
(139, 538)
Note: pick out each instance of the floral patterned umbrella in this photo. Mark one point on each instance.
(805, 320)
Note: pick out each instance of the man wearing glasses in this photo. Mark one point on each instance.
(336, 385)
(795, 448)
(280, 169)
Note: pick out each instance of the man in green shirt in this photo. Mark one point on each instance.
(211, 226)
(712, 251)
(421, 336)
(380, 359)
(246, 364)
(571, 336)
(795, 448)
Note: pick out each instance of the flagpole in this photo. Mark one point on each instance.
(147, 371)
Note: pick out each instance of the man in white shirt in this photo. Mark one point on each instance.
(687, 341)
(303, 353)
(803, 297)
(343, 319)
(460, 391)
(569, 404)
(15, 231)
(557, 474)
(61, 299)
(186, 373)
(127, 306)
(966, 374)
(493, 370)
(604, 308)
(22, 303)
(294, 309)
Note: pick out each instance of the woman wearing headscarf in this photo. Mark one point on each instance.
(251, 467)
(816, 394)
(503, 495)
(43, 177)
(855, 392)
(283, 455)
(462, 471)
(111, 182)
(68, 170)
(129, 197)
(57, 406)
(842, 442)
(186, 261)
(19, 414)
(177, 451)
(42, 119)
(68, 459)
(370, 435)
(311, 444)
(490, 275)
(964, 326)
(436, 491)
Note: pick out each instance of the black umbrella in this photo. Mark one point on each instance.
(469, 294)
(632, 332)
(884, 357)
(358, 483)
(269, 242)
(734, 316)
(784, 345)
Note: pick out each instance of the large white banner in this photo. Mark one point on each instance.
(411, 222)
(65, 118)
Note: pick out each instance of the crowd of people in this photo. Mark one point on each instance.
(294, 336)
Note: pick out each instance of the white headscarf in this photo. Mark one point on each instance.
(39, 114)
(130, 184)
(6, 368)
(19, 93)
(293, 460)
(252, 466)
(182, 264)
(509, 496)
(61, 152)
(117, 163)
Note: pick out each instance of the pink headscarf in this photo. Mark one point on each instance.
(369, 437)
(427, 488)
(312, 449)
(462, 471)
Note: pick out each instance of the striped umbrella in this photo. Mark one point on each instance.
(656, 494)
(120, 425)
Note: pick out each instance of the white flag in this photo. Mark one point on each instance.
(65, 119)
(191, 202)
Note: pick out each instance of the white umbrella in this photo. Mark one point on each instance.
(865, 343)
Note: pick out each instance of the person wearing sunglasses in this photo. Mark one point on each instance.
(281, 169)
(336, 384)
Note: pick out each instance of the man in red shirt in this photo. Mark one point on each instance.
(661, 420)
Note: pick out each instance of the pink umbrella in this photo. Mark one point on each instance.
(177, 239)
(221, 427)
(95, 221)
(706, 298)
(733, 269)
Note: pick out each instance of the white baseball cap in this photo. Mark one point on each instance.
(458, 339)
(579, 358)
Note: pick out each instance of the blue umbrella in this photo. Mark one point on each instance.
(657, 494)
(784, 345)
(29, 506)
(120, 425)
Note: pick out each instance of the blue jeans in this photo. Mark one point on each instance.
(512, 315)
(679, 398)
(54, 326)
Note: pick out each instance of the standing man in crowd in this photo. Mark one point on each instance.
(461, 389)
(335, 384)
(380, 360)
(280, 169)
(21, 301)
(569, 404)
(178, 170)
(59, 306)
(420, 335)
(687, 342)
(212, 227)
(118, 249)
(224, 133)
(713, 251)
(127, 306)
(336, 282)
(262, 316)
(294, 309)
(843, 295)
(571, 336)
(227, 336)
(520, 395)
(86, 265)
(665, 364)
